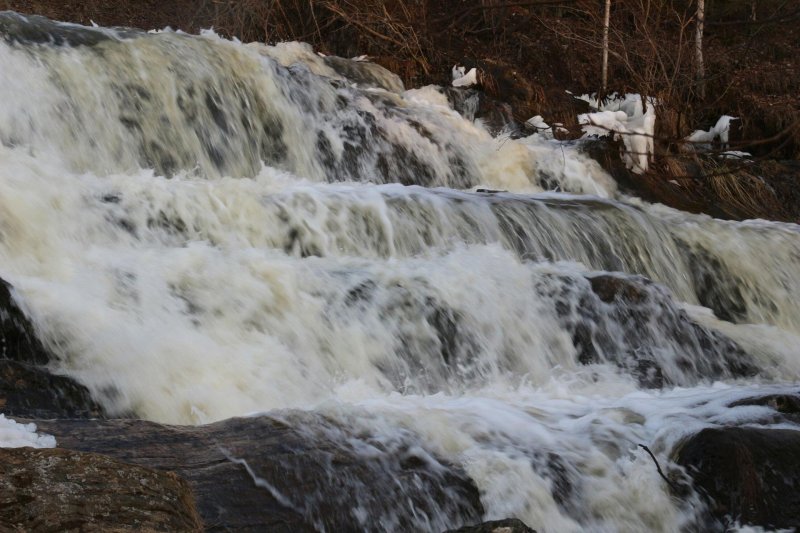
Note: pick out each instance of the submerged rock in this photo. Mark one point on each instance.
(365, 73)
(510, 525)
(750, 475)
(636, 324)
(473, 104)
(59, 490)
(786, 407)
(300, 473)
(35, 29)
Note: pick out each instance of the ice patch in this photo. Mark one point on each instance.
(16, 435)
(701, 140)
(464, 80)
(625, 118)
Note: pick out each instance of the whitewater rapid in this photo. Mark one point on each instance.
(201, 229)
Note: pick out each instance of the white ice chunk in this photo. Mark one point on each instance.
(735, 154)
(16, 435)
(701, 140)
(723, 128)
(625, 119)
(543, 129)
(470, 78)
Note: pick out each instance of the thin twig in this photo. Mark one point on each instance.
(658, 467)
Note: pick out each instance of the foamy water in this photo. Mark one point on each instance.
(201, 229)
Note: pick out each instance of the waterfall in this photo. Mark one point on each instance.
(201, 229)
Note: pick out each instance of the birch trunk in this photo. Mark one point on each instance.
(606, 23)
(698, 48)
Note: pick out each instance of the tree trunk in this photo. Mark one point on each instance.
(606, 23)
(698, 48)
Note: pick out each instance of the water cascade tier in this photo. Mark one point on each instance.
(477, 326)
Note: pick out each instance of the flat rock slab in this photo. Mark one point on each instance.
(63, 490)
(300, 473)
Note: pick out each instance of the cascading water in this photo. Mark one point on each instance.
(202, 229)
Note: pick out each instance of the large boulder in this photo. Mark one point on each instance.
(750, 475)
(60, 490)
(302, 472)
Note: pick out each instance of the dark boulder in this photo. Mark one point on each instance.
(60, 490)
(300, 473)
(510, 525)
(750, 475)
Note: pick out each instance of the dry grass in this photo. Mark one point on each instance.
(744, 195)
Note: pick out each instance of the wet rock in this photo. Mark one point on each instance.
(637, 304)
(786, 407)
(27, 387)
(32, 391)
(510, 525)
(365, 73)
(34, 29)
(59, 490)
(635, 323)
(473, 104)
(18, 341)
(300, 473)
(715, 285)
(433, 343)
(748, 474)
